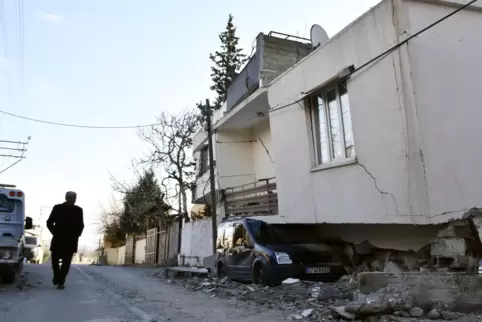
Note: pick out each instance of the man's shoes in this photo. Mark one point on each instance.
(61, 287)
(55, 281)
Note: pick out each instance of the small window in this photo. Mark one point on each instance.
(6, 205)
(204, 161)
(31, 240)
(331, 122)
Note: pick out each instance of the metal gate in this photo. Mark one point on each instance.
(130, 255)
(151, 246)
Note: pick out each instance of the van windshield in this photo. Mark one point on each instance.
(283, 233)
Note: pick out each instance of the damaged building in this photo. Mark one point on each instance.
(378, 151)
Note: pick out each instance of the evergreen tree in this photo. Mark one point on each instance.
(138, 201)
(227, 62)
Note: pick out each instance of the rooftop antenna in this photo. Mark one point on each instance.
(318, 36)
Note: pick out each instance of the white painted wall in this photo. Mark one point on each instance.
(345, 194)
(112, 255)
(196, 241)
(234, 158)
(121, 259)
(414, 117)
(445, 67)
(242, 158)
(263, 158)
(140, 255)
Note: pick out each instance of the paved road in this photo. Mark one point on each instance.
(114, 294)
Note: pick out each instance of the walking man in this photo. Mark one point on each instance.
(66, 224)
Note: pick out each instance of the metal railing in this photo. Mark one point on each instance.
(259, 197)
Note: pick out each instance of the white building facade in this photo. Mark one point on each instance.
(396, 141)
(244, 162)
(242, 136)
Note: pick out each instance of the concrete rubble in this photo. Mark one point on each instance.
(367, 299)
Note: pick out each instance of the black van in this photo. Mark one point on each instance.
(252, 250)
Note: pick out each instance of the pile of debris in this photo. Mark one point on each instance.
(301, 300)
(317, 301)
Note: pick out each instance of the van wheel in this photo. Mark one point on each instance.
(260, 274)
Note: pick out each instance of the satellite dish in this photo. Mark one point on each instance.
(318, 36)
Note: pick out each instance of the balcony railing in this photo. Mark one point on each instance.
(274, 54)
(258, 198)
(246, 82)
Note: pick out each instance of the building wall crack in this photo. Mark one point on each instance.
(375, 183)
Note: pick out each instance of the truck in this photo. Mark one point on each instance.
(33, 249)
(13, 224)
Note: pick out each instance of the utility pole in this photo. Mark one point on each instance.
(212, 179)
(15, 150)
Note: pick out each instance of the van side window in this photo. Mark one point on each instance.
(239, 235)
(220, 239)
(229, 236)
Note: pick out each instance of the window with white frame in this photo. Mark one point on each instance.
(331, 123)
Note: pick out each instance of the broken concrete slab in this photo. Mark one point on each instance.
(393, 268)
(382, 301)
(434, 314)
(448, 247)
(181, 271)
(416, 312)
(460, 292)
(340, 312)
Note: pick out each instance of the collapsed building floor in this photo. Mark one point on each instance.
(454, 246)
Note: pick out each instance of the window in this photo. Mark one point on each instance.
(31, 240)
(332, 130)
(228, 236)
(6, 205)
(220, 239)
(204, 161)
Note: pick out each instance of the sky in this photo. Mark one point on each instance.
(112, 63)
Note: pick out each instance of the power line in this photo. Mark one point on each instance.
(10, 166)
(12, 156)
(21, 149)
(388, 51)
(78, 125)
(12, 149)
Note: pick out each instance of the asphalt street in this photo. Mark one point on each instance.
(114, 294)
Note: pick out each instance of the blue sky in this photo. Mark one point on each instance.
(119, 62)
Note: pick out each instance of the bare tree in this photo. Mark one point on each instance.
(110, 219)
(171, 148)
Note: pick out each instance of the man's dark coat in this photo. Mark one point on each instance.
(66, 223)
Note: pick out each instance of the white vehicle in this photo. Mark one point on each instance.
(12, 230)
(33, 250)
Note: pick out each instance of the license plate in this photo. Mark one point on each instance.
(317, 270)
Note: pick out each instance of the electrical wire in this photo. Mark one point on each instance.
(78, 125)
(10, 166)
(386, 52)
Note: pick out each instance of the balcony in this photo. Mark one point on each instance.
(247, 97)
(257, 198)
